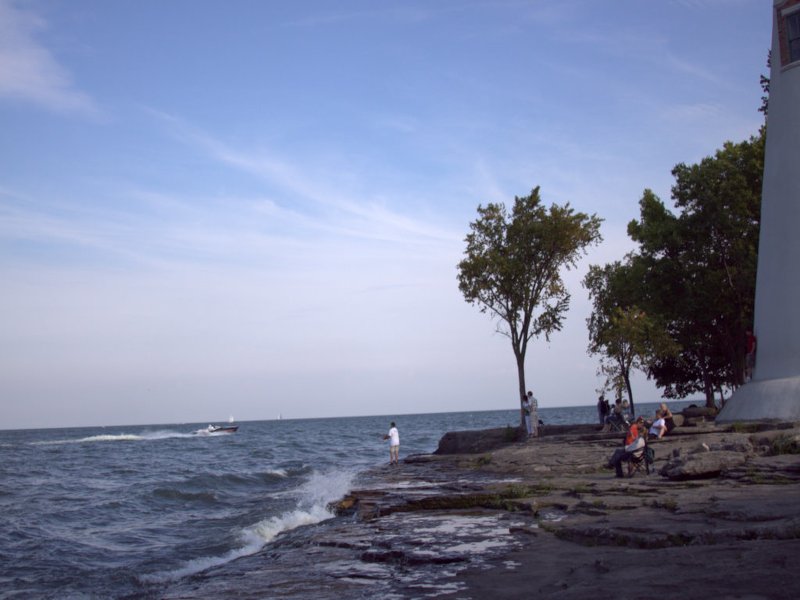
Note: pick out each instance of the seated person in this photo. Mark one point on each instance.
(616, 416)
(666, 414)
(633, 443)
(659, 427)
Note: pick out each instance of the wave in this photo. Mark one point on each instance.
(314, 498)
(182, 495)
(282, 473)
(241, 479)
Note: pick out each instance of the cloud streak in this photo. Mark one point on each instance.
(29, 73)
(312, 190)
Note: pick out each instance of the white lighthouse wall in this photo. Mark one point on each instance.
(774, 392)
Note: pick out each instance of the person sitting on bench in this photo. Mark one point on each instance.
(659, 427)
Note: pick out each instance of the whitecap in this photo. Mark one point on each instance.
(314, 496)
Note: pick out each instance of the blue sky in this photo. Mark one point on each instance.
(257, 208)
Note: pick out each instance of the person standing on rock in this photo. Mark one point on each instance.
(533, 426)
(394, 444)
(526, 415)
(602, 409)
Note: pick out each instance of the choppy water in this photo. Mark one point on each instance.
(120, 511)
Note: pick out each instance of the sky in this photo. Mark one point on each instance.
(256, 209)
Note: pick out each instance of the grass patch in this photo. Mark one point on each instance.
(484, 460)
(517, 490)
(669, 504)
(540, 489)
(745, 427)
(784, 444)
(580, 489)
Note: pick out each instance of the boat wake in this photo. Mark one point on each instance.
(122, 437)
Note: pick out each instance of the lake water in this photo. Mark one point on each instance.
(122, 511)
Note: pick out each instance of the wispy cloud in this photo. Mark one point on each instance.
(310, 189)
(28, 70)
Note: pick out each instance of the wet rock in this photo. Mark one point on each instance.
(542, 518)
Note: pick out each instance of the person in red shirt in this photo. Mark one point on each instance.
(633, 443)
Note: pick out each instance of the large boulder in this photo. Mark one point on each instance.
(694, 411)
(702, 465)
(478, 441)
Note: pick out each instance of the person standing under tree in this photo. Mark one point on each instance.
(534, 426)
(602, 409)
(394, 444)
(750, 355)
(526, 415)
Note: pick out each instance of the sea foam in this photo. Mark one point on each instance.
(313, 497)
(122, 437)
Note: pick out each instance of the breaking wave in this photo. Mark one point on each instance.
(314, 497)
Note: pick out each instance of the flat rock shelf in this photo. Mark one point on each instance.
(487, 516)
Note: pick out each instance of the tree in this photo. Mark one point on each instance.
(764, 82)
(625, 336)
(698, 268)
(512, 267)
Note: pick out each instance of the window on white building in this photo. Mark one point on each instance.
(793, 35)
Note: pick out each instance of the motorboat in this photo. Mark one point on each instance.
(222, 428)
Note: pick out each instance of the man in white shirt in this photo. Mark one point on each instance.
(394, 444)
(659, 426)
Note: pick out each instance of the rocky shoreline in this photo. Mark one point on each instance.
(488, 516)
(720, 516)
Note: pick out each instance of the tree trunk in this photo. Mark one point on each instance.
(709, 390)
(521, 377)
(627, 377)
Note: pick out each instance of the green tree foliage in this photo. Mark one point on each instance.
(623, 334)
(764, 81)
(512, 267)
(698, 267)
